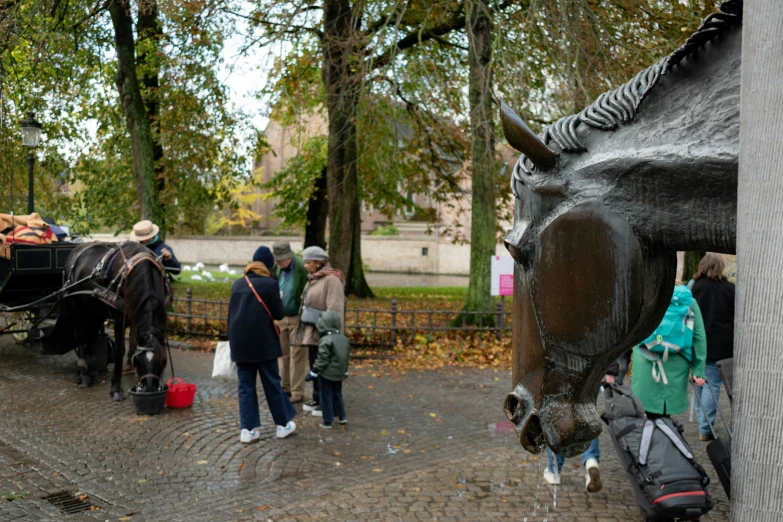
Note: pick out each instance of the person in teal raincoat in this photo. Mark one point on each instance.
(660, 397)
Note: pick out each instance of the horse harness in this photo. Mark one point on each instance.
(110, 294)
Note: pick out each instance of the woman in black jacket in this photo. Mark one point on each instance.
(255, 346)
(715, 295)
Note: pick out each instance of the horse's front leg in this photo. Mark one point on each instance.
(119, 352)
(131, 350)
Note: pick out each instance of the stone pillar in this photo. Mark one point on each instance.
(757, 460)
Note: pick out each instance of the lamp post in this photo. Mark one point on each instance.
(31, 135)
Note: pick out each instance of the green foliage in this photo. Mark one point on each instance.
(56, 58)
(293, 186)
(385, 230)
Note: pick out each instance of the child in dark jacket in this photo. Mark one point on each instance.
(331, 367)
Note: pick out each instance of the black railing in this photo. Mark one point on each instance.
(365, 326)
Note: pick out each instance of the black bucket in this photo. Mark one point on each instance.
(149, 403)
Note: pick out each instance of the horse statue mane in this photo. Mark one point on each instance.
(599, 217)
(620, 106)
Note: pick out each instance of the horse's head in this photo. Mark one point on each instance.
(586, 290)
(149, 361)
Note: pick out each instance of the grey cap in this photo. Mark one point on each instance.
(315, 253)
(282, 250)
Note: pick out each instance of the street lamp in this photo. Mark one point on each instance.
(31, 135)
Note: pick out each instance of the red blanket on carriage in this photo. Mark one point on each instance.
(23, 230)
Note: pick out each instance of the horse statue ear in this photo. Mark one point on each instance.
(524, 140)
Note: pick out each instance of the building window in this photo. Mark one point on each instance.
(425, 251)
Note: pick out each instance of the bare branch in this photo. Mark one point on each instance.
(416, 37)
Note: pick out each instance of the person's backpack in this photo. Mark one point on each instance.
(673, 335)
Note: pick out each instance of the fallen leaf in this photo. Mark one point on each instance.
(370, 387)
(142, 481)
(202, 462)
(433, 415)
(262, 508)
(406, 451)
(377, 470)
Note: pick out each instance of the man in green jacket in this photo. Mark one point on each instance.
(291, 277)
(331, 367)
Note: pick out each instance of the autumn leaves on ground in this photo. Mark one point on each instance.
(424, 352)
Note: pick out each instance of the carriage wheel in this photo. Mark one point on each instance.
(24, 321)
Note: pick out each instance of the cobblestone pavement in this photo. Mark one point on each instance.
(417, 447)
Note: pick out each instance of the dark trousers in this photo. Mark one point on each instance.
(312, 354)
(279, 405)
(332, 400)
(623, 362)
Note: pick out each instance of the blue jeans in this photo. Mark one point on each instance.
(331, 400)
(712, 375)
(593, 452)
(279, 405)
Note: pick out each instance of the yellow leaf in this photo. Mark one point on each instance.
(377, 470)
(370, 387)
(202, 462)
(262, 508)
(433, 415)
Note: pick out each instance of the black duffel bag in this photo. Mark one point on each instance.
(667, 482)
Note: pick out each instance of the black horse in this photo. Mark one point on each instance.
(128, 286)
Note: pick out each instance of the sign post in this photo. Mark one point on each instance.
(502, 284)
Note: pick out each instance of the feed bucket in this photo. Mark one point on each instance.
(180, 394)
(149, 403)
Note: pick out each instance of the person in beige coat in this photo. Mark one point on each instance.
(325, 290)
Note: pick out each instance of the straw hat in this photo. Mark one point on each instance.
(144, 231)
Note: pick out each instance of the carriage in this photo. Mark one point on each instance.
(29, 283)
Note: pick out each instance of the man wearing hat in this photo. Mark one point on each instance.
(291, 277)
(146, 233)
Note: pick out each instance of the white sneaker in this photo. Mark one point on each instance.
(592, 476)
(317, 412)
(285, 431)
(551, 478)
(247, 436)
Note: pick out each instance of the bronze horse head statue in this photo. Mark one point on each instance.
(604, 199)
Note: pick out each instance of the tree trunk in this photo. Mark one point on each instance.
(484, 182)
(135, 112)
(758, 367)
(150, 31)
(317, 214)
(691, 265)
(342, 77)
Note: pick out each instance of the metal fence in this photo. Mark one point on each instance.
(365, 326)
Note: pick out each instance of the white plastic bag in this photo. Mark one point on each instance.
(223, 367)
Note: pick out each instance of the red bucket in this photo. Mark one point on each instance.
(181, 394)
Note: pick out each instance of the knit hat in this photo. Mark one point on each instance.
(315, 253)
(282, 250)
(264, 255)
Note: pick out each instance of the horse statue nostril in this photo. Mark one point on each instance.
(513, 407)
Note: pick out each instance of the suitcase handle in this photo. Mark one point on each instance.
(717, 407)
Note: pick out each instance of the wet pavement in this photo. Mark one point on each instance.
(418, 446)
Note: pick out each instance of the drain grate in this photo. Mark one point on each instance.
(68, 503)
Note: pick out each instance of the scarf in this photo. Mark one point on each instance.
(258, 268)
(325, 271)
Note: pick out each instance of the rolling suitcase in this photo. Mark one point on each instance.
(667, 482)
(719, 450)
